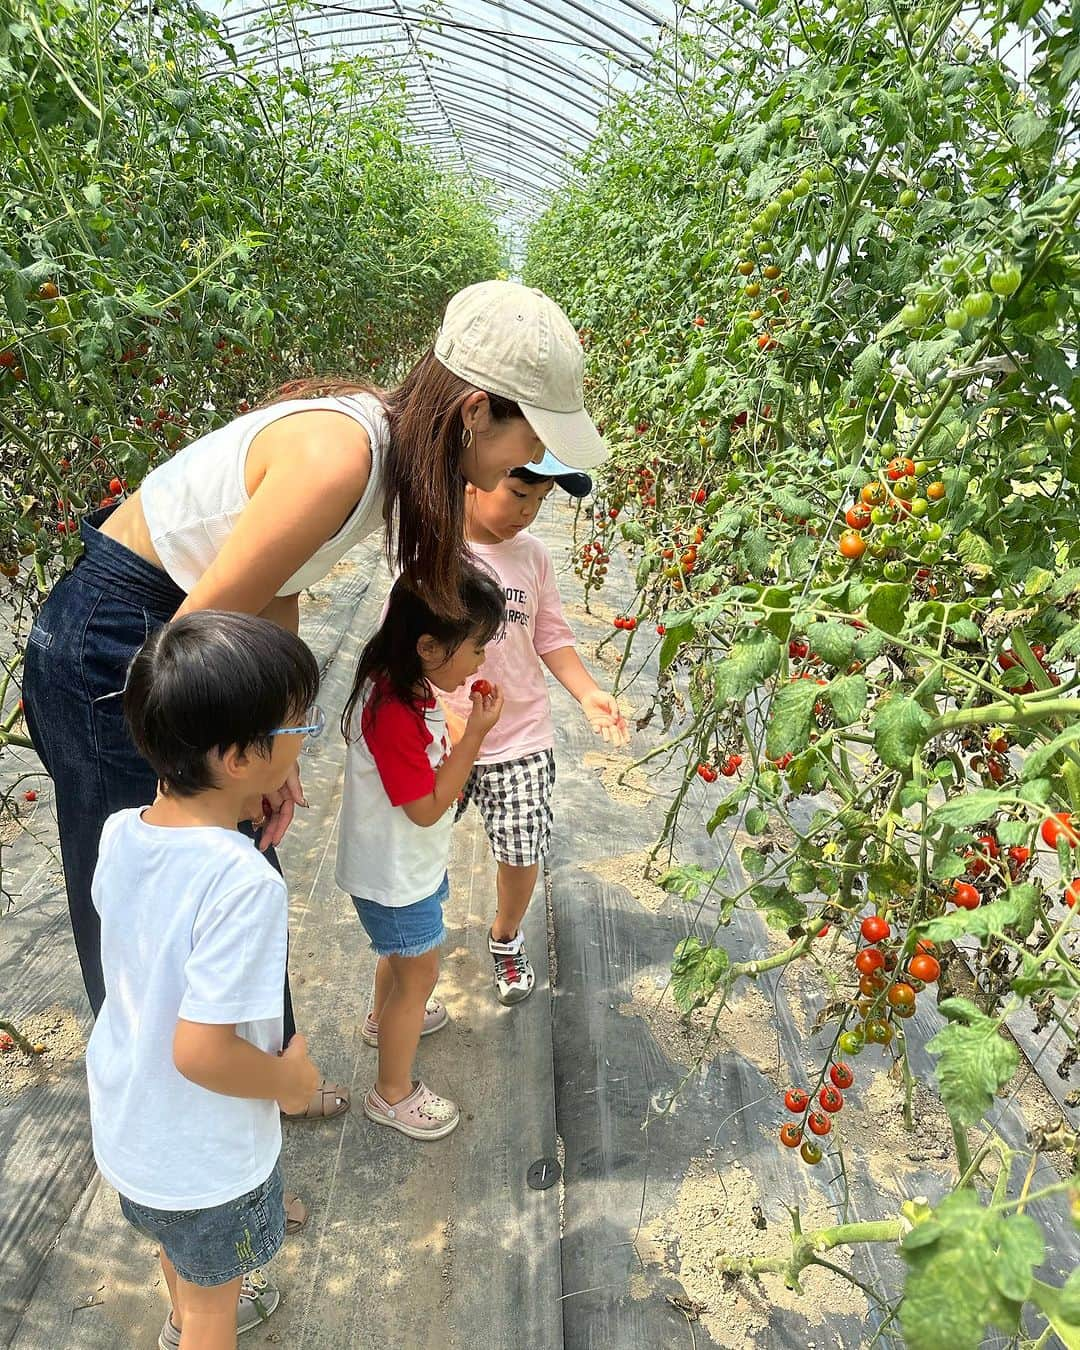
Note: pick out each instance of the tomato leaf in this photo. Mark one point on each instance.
(974, 1060)
(726, 808)
(1027, 128)
(847, 694)
(834, 642)
(956, 1263)
(1020, 1250)
(901, 727)
(1040, 759)
(1017, 908)
(970, 809)
(696, 972)
(976, 552)
(866, 368)
(688, 881)
(792, 718)
(886, 606)
(749, 663)
(779, 906)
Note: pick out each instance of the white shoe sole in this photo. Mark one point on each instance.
(513, 996)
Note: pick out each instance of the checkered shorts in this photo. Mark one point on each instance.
(514, 800)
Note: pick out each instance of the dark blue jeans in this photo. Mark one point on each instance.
(96, 618)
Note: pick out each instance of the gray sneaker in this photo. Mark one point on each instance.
(258, 1299)
(514, 976)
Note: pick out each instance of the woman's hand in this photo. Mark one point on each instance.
(278, 810)
(605, 717)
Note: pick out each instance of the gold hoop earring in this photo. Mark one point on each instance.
(467, 438)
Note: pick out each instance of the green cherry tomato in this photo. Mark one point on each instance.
(1005, 282)
(927, 179)
(912, 315)
(905, 488)
(851, 1042)
(1062, 421)
(919, 506)
(908, 197)
(930, 555)
(955, 319)
(978, 304)
(895, 571)
(950, 266)
(961, 52)
(879, 516)
(944, 193)
(811, 1152)
(878, 1031)
(933, 532)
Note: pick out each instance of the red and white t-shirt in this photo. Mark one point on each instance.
(382, 855)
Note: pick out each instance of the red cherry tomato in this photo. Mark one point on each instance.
(1059, 827)
(964, 895)
(1072, 891)
(924, 967)
(874, 928)
(791, 1135)
(819, 1122)
(858, 517)
(796, 1100)
(831, 1098)
(869, 960)
(841, 1075)
(481, 687)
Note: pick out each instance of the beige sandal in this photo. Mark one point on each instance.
(296, 1212)
(330, 1101)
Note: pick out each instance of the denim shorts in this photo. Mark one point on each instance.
(213, 1246)
(405, 930)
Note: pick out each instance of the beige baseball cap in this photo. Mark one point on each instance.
(511, 340)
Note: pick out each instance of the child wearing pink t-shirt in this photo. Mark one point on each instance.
(512, 781)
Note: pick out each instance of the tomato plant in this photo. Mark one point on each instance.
(918, 366)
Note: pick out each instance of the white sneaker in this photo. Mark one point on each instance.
(514, 977)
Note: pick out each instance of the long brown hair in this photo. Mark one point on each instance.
(425, 491)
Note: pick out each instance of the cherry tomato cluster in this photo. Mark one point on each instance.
(818, 1119)
(905, 511)
(642, 484)
(991, 757)
(889, 984)
(1008, 660)
(728, 767)
(594, 563)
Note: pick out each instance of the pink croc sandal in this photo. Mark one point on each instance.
(420, 1115)
(435, 1016)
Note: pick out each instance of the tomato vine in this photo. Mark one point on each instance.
(831, 299)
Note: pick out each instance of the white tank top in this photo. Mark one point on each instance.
(192, 501)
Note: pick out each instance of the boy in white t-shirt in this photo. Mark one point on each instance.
(186, 1067)
(515, 770)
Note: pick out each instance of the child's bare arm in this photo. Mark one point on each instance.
(602, 709)
(213, 1056)
(451, 776)
(455, 724)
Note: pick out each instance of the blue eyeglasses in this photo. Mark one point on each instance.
(316, 725)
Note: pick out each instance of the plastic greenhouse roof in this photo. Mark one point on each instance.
(507, 93)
